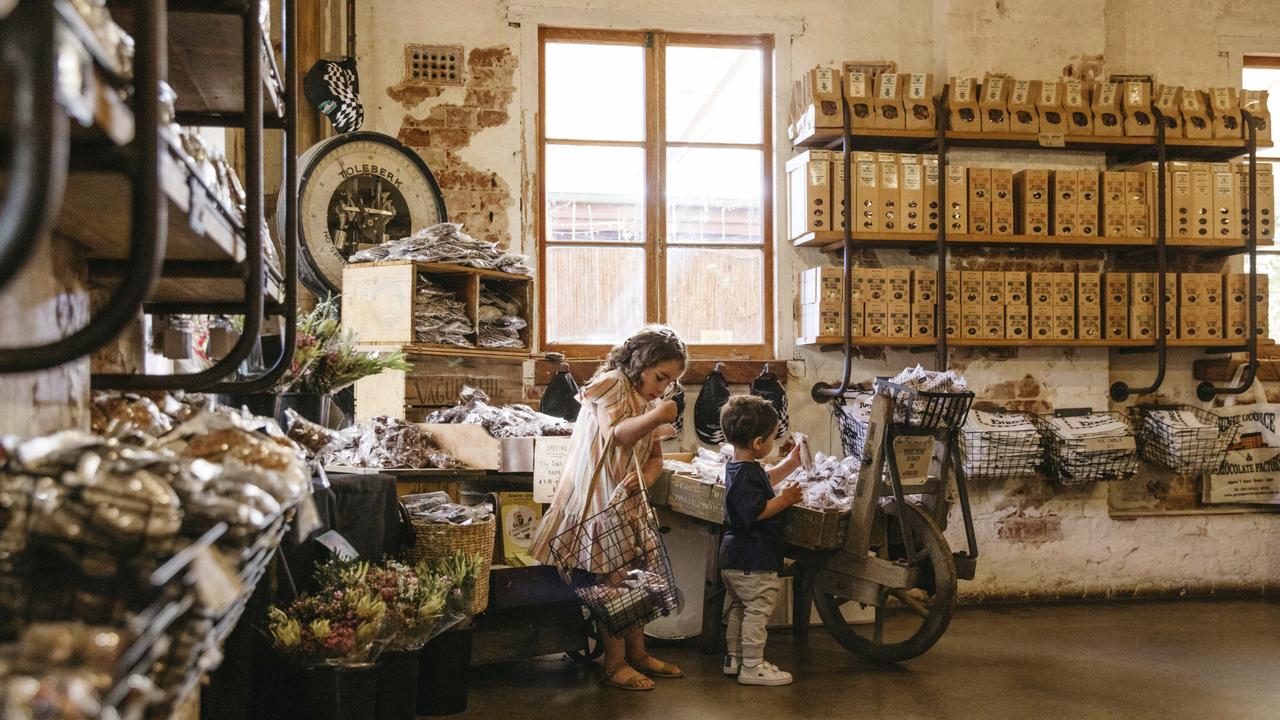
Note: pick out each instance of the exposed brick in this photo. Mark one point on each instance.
(460, 117)
(1005, 389)
(1030, 529)
(1029, 387)
(489, 57)
(491, 118)
(410, 94)
(414, 137)
(450, 138)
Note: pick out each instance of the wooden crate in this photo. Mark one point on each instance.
(802, 526)
(476, 448)
(692, 497)
(434, 382)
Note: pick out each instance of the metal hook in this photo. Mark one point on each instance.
(719, 367)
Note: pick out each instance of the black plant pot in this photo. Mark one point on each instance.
(341, 694)
(398, 685)
(263, 404)
(312, 406)
(443, 671)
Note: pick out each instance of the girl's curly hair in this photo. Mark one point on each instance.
(649, 346)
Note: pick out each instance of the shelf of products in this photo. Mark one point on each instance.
(833, 242)
(835, 341)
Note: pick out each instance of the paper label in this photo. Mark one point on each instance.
(911, 177)
(1221, 98)
(1021, 89)
(1191, 99)
(889, 175)
(916, 91)
(826, 81)
(338, 545)
(914, 454)
(1168, 97)
(1049, 94)
(857, 84)
(994, 89)
(1052, 139)
(548, 464)
(1107, 94)
(888, 86)
(964, 89)
(1105, 444)
(1075, 91)
(818, 173)
(1133, 97)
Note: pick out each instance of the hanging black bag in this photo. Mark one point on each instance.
(767, 386)
(561, 397)
(678, 399)
(706, 409)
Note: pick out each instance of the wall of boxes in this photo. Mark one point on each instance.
(1049, 307)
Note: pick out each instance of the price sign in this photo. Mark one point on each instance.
(549, 455)
(1052, 140)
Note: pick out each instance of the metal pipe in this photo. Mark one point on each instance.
(351, 29)
(940, 317)
(1120, 390)
(149, 216)
(38, 155)
(1207, 391)
(822, 392)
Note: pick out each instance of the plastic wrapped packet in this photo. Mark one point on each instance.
(312, 437)
(112, 415)
(386, 442)
(446, 243)
(224, 435)
(506, 421)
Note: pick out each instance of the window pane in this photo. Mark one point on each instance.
(715, 95)
(714, 196)
(716, 297)
(595, 194)
(594, 295)
(594, 92)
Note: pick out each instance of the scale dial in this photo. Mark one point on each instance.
(359, 190)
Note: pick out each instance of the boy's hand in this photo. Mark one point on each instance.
(666, 410)
(794, 455)
(791, 493)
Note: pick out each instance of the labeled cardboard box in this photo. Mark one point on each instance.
(993, 287)
(980, 217)
(1089, 289)
(1002, 217)
(1042, 288)
(1142, 289)
(1201, 201)
(1142, 322)
(1064, 188)
(860, 92)
(1190, 325)
(1087, 221)
(1196, 122)
(918, 103)
(954, 289)
(963, 103)
(899, 284)
(877, 322)
(1168, 100)
(890, 196)
(958, 200)
(820, 320)
(1115, 222)
(1226, 196)
(1211, 321)
(922, 320)
(866, 195)
(993, 322)
(1088, 187)
(1015, 287)
(1237, 322)
(1049, 105)
(979, 185)
(1138, 224)
(1171, 319)
(924, 287)
(954, 320)
(809, 192)
(1064, 322)
(1001, 185)
(876, 282)
(1117, 317)
(1138, 189)
(857, 284)
(1266, 207)
(1210, 289)
(889, 91)
(971, 319)
(912, 198)
(972, 287)
(1138, 121)
(1180, 206)
(817, 101)
(1023, 117)
(1089, 323)
(932, 211)
(1064, 289)
(994, 104)
(1066, 220)
(1017, 322)
(1031, 186)
(1225, 106)
(899, 319)
(1116, 289)
(1042, 322)
(839, 211)
(1108, 119)
(1113, 189)
(1035, 219)
(1170, 287)
(1255, 103)
(822, 284)
(1075, 101)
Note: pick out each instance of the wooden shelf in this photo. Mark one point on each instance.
(448, 268)
(826, 341)
(868, 341)
(833, 242)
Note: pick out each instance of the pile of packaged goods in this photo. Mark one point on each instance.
(505, 421)
(446, 243)
(918, 403)
(827, 485)
(999, 445)
(1089, 448)
(380, 442)
(500, 321)
(439, 317)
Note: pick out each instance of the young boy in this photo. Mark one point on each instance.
(751, 553)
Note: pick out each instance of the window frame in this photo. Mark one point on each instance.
(655, 145)
(1269, 155)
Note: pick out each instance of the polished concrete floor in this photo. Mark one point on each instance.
(1187, 659)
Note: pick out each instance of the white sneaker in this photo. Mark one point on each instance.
(731, 664)
(766, 673)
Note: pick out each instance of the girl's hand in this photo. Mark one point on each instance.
(665, 431)
(666, 410)
(630, 481)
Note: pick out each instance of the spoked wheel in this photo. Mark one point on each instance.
(591, 648)
(907, 621)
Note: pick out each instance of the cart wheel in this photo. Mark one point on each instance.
(907, 622)
(591, 647)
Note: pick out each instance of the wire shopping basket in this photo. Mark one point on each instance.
(1185, 439)
(1000, 446)
(925, 409)
(1075, 458)
(852, 416)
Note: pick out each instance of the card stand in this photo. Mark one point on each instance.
(1159, 442)
(1079, 461)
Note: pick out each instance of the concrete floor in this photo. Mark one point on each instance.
(1201, 659)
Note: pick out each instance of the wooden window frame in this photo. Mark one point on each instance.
(655, 144)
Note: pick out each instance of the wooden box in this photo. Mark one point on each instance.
(690, 496)
(433, 382)
(475, 448)
(814, 529)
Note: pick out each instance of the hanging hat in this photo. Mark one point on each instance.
(334, 88)
(767, 386)
(706, 409)
(561, 397)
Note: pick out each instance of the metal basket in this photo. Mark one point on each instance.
(1000, 454)
(923, 409)
(617, 565)
(1161, 443)
(853, 429)
(1078, 461)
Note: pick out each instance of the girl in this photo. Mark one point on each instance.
(626, 400)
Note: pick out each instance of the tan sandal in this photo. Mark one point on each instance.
(652, 666)
(637, 682)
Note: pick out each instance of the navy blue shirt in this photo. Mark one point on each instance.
(749, 544)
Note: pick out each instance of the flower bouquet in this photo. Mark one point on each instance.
(325, 359)
(416, 598)
(339, 626)
(460, 571)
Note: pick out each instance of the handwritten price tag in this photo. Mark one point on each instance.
(1052, 140)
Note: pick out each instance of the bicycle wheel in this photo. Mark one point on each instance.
(590, 648)
(907, 622)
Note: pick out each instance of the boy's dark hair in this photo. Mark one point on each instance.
(747, 417)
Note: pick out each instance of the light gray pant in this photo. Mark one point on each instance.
(752, 597)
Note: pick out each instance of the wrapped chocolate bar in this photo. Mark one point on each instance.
(229, 436)
(502, 422)
(313, 438)
(386, 442)
(113, 415)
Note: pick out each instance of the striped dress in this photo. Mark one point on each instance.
(606, 401)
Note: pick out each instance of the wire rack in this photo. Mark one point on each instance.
(1073, 461)
(924, 409)
(617, 565)
(1001, 454)
(852, 422)
(1163, 440)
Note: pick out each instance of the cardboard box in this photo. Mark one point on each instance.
(1266, 207)
(953, 323)
(1226, 196)
(979, 185)
(889, 195)
(867, 196)
(924, 287)
(971, 321)
(1066, 220)
(980, 217)
(860, 92)
(963, 103)
(918, 103)
(877, 322)
(1114, 193)
(1142, 289)
(1188, 289)
(1190, 326)
(889, 91)
(1211, 322)
(994, 104)
(1075, 101)
(839, 211)
(809, 193)
(1108, 119)
(1142, 322)
(932, 210)
(1138, 189)
(1017, 322)
(1035, 219)
(1170, 287)
(1023, 117)
(857, 284)
(1210, 289)
(1042, 322)
(819, 100)
(1116, 289)
(1049, 105)
(1255, 103)
(1137, 110)
(993, 322)
(899, 284)
(1089, 289)
(1117, 317)
(1042, 288)
(1183, 219)
(1064, 289)
(958, 200)
(954, 289)
(1088, 188)
(1002, 217)
(1237, 322)
(1168, 100)
(1138, 224)
(1031, 186)
(821, 320)
(1088, 223)
(1115, 222)
(1201, 201)
(912, 198)
(876, 284)
(822, 284)
(1064, 322)
(1225, 105)
(1015, 287)
(1064, 188)
(1196, 122)
(993, 287)
(1001, 185)
(922, 320)
(972, 287)
(1089, 323)
(899, 319)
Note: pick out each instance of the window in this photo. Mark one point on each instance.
(1263, 73)
(655, 185)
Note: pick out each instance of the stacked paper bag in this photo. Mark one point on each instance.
(997, 445)
(1180, 440)
(1089, 448)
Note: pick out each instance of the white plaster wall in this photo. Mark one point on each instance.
(1181, 42)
